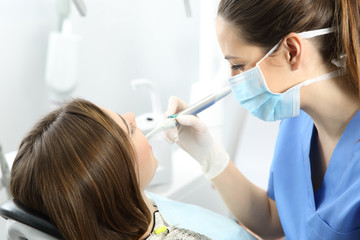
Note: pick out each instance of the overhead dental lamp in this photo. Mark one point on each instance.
(62, 61)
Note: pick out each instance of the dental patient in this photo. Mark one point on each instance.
(87, 169)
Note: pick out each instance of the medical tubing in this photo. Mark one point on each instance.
(167, 124)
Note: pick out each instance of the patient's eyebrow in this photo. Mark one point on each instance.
(127, 125)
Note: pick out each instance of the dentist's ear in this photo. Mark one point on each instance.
(294, 46)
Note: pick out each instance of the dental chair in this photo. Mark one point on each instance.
(25, 224)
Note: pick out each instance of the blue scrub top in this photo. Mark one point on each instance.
(334, 211)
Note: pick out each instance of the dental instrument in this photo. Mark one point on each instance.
(191, 110)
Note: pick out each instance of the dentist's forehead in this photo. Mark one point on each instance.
(232, 45)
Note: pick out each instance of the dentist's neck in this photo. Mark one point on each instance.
(330, 106)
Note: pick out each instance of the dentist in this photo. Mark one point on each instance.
(297, 61)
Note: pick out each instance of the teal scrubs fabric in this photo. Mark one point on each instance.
(333, 212)
(198, 219)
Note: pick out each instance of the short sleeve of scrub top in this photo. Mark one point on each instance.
(333, 212)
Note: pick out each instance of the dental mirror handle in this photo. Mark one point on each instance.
(191, 110)
(204, 103)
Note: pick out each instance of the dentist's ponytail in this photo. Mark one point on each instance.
(347, 20)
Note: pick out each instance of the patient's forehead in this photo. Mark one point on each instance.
(116, 117)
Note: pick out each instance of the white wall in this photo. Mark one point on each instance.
(255, 149)
(24, 26)
(121, 40)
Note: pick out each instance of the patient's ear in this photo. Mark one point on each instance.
(294, 50)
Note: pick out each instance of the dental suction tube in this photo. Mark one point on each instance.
(191, 110)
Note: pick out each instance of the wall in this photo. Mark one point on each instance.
(121, 40)
(255, 149)
(24, 27)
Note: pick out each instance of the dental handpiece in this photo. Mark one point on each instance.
(193, 109)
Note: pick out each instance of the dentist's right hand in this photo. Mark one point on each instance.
(193, 136)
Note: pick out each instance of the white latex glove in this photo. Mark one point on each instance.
(193, 136)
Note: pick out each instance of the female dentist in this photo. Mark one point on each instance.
(297, 61)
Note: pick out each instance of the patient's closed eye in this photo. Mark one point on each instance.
(133, 127)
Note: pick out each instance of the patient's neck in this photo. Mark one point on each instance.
(152, 210)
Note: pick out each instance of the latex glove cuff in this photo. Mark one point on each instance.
(219, 160)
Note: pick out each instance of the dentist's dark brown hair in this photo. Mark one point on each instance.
(77, 166)
(266, 22)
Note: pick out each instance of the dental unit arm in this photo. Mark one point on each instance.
(63, 55)
(187, 8)
(191, 110)
(62, 8)
(5, 171)
(80, 5)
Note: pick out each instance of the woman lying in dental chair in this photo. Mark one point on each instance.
(87, 169)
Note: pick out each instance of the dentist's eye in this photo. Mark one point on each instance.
(237, 67)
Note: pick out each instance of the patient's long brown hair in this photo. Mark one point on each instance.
(77, 166)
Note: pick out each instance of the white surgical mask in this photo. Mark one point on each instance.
(252, 93)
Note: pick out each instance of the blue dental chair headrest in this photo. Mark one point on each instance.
(12, 209)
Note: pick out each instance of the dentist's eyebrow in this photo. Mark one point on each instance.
(126, 124)
(227, 57)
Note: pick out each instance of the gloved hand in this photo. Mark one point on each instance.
(193, 136)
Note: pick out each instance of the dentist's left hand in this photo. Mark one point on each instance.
(193, 136)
